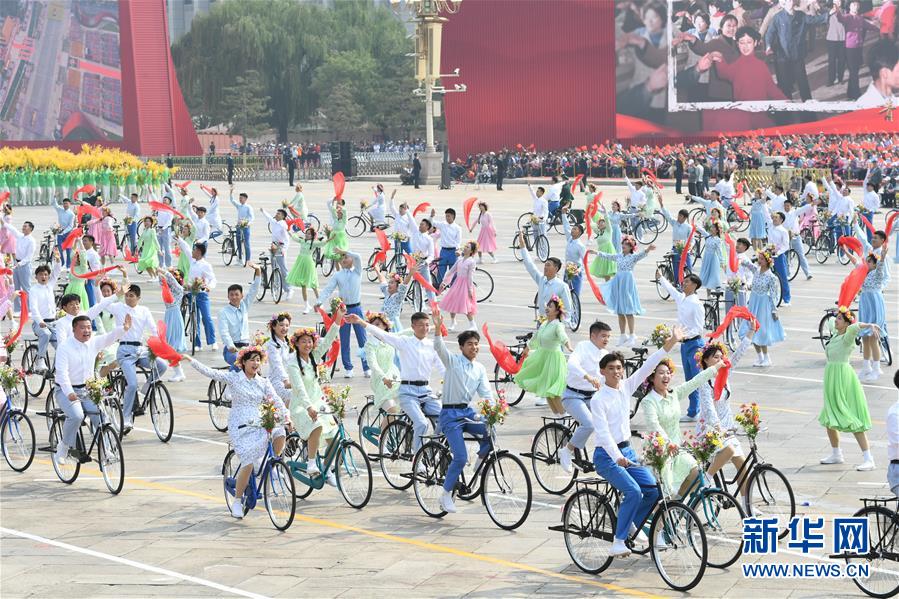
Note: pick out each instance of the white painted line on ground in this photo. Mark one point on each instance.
(132, 563)
(796, 378)
(176, 477)
(188, 437)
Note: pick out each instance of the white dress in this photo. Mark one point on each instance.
(718, 413)
(278, 357)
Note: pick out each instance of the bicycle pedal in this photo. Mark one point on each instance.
(82, 457)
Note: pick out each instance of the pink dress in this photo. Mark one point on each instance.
(105, 237)
(7, 239)
(487, 234)
(6, 294)
(460, 298)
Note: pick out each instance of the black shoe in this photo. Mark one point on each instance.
(127, 429)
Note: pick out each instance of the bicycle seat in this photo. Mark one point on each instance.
(640, 351)
(525, 337)
(715, 293)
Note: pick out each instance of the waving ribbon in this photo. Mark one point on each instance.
(167, 297)
(159, 206)
(206, 189)
(590, 212)
(381, 256)
(577, 181)
(436, 310)
(889, 226)
(652, 178)
(741, 214)
(420, 208)
(92, 211)
(737, 312)
(296, 222)
(501, 354)
(4, 197)
(683, 254)
(467, 205)
(23, 317)
(334, 351)
(721, 379)
(852, 284)
(425, 284)
(733, 261)
(339, 184)
(129, 257)
(69, 241)
(738, 193)
(867, 222)
(92, 274)
(593, 285)
(88, 189)
(853, 244)
(161, 348)
(5, 271)
(183, 185)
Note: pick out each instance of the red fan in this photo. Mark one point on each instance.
(297, 222)
(501, 354)
(83, 209)
(160, 347)
(741, 214)
(733, 261)
(852, 284)
(23, 317)
(183, 185)
(206, 189)
(5, 271)
(88, 189)
(167, 297)
(422, 207)
(737, 312)
(852, 243)
(721, 379)
(339, 184)
(889, 226)
(577, 179)
(4, 197)
(867, 223)
(129, 257)
(467, 205)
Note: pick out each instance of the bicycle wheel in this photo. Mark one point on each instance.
(34, 381)
(371, 270)
(524, 219)
(664, 272)
(545, 463)
(228, 252)
(395, 453)
(277, 286)
(842, 256)
(678, 546)
(219, 407)
(723, 519)
(17, 440)
(808, 240)
(295, 449)
(589, 524)
(263, 285)
(112, 413)
(516, 248)
(575, 313)
(697, 215)
(711, 317)
(883, 544)
(414, 296)
(368, 418)
(542, 247)
(111, 459)
(327, 266)
(356, 226)
(277, 493)
(161, 413)
(557, 225)
(429, 472)
(354, 475)
(792, 264)
(646, 231)
(769, 493)
(229, 477)
(68, 469)
(886, 356)
(49, 408)
(505, 383)
(506, 491)
(483, 284)
(312, 221)
(826, 327)
(823, 248)
(778, 292)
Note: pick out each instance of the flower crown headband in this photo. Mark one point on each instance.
(716, 344)
(766, 252)
(303, 332)
(279, 316)
(373, 316)
(847, 314)
(251, 349)
(177, 274)
(874, 257)
(108, 281)
(558, 300)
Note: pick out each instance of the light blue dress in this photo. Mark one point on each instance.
(174, 323)
(761, 304)
(620, 292)
(615, 221)
(758, 228)
(871, 307)
(711, 271)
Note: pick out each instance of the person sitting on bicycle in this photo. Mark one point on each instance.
(71, 306)
(575, 250)
(450, 240)
(554, 196)
(213, 216)
(637, 198)
(423, 244)
(418, 359)
(403, 223)
(279, 245)
(201, 224)
(464, 379)
(74, 366)
(376, 209)
(42, 308)
(244, 221)
(234, 318)
(711, 201)
(549, 283)
(614, 458)
(540, 209)
(582, 381)
(200, 273)
(724, 187)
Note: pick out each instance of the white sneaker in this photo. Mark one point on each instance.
(237, 509)
(452, 326)
(480, 260)
(865, 370)
(472, 326)
(307, 309)
(868, 377)
(866, 466)
(785, 304)
(312, 469)
(623, 340)
(289, 293)
(213, 347)
(766, 361)
(833, 458)
(62, 453)
(446, 502)
(633, 341)
(619, 549)
(688, 418)
(331, 479)
(759, 361)
(366, 374)
(565, 459)
(876, 373)
(347, 374)
(540, 402)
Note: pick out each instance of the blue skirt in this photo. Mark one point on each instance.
(757, 227)
(621, 295)
(174, 328)
(871, 309)
(770, 331)
(710, 271)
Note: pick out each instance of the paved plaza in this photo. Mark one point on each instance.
(169, 532)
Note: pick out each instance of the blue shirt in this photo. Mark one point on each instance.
(546, 288)
(679, 231)
(575, 250)
(348, 282)
(464, 379)
(132, 210)
(244, 211)
(234, 323)
(66, 218)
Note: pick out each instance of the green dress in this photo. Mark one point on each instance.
(845, 407)
(76, 285)
(148, 247)
(338, 238)
(184, 257)
(662, 415)
(303, 273)
(544, 370)
(306, 391)
(380, 358)
(600, 267)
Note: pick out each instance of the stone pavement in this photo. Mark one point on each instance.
(169, 533)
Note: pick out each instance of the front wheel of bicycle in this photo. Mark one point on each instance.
(505, 383)
(575, 314)
(723, 519)
(263, 287)
(228, 252)
(516, 249)
(589, 523)
(792, 264)
(506, 491)
(277, 286)
(67, 470)
(826, 327)
(769, 493)
(161, 413)
(277, 493)
(886, 355)
(354, 478)
(542, 247)
(34, 381)
(111, 459)
(112, 412)
(17, 440)
(219, 407)
(545, 462)
(646, 231)
(429, 472)
(395, 452)
(883, 545)
(230, 467)
(823, 248)
(664, 273)
(678, 545)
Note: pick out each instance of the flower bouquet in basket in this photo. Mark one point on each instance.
(704, 446)
(269, 417)
(750, 419)
(419, 257)
(535, 219)
(572, 269)
(243, 224)
(363, 204)
(337, 304)
(659, 335)
(494, 412)
(97, 388)
(322, 373)
(398, 236)
(10, 347)
(735, 284)
(10, 377)
(335, 397)
(657, 450)
(128, 220)
(679, 245)
(197, 284)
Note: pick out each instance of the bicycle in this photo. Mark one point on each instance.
(231, 246)
(555, 433)
(532, 239)
(644, 229)
(153, 396)
(827, 324)
(574, 313)
(35, 381)
(503, 382)
(554, 221)
(481, 280)
(351, 466)
(191, 316)
(883, 547)
(826, 245)
(110, 456)
(218, 402)
(269, 280)
(17, 439)
(325, 264)
(712, 307)
(722, 519)
(275, 486)
(677, 539)
(48, 241)
(395, 450)
(500, 479)
(362, 222)
(369, 423)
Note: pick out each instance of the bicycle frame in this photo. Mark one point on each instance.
(335, 448)
(743, 472)
(255, 485)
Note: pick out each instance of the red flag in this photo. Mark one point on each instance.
(425, 284)
(852, 284)
(159, 206)
(4, 197)
(161, 348)
(69, 241)
(23, 317)
(420, 208)
(88, 189)
(741, 214)
(183, 185)
(167, 297)
(501, 354)
(467, 205)
(853, 244)
(733, 261)
(867, 222)
(339, 184)
(83, 209)
(737, 312)
(92, 274)
(129, 257)
(593, 285)
(684, 253)
(436, 310)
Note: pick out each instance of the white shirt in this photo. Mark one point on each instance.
(422, 243)
(744, 271)
(450, 234)
(199, 269)
(554, 192)
(690, 310)
(141, 320)
(41, 298)
(893, 432)
(279, 230)
(201, 227)
(638, 198)
(791, 218)
(75, 360)
(871, 201)
(93, 260)
(872, 98)
(837, 203)
(725, 188)
(611, 408)
(541, 206)
(584, 361)
(811, 190)
(164, 219)
(418, 358)
(403, 223)
(24, 245)
(64, 325)
(777, 202)
(779, 237)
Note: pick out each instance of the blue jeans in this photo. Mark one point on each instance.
(447, 260)
(359, 330)
(21, 279)
(44, 336)
(415, 403)
(129, 357)
(132, 237)
(636, 485)
(404, 246)
(243, 243)
(575, 283)
(579, 407)
(553, 207)
(870, 217)
(278, 260)
(165, 244)
(201, 301)
(452, 423)
(230, 358)
(780, 269)
(74, 411)
(89, 290)
(691, 369)
(65, 256)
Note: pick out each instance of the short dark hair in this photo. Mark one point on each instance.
(419, 316)
(282, 212)
(68, 299)
(748, 31)
(450, 211)
(555, 261)
(883, 55)
(201, 208)
(881, 234)
(744, 241)
(541, 188)
(599, 326)
(29, 223)
(80, 318)
(727, 17)
(42, 268)
(134, 195)
(610, 357)
(200, 246)
(91, 237)
(242, 195)
(135, 289)
(235, 287)
(464, 336)
(428, 220)
(683, 212)
(694, 278)
(781, 215)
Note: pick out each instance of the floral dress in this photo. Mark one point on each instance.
(545, 368)
(247, 394)
(306, 390)
(714, 413)
(393, 305)
(871, 307)
(761, 303)
(148, 247)
(620, 292)
(845, 407)
(279, 355)
(380, 357)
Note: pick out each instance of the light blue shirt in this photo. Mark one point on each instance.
(869, 249)
(464, 379)
(244, 211)
(709, 205)
(132, 210)
(234, 323)
(575, 250)
(66, 218)
(347, 282)
(546, 288)
(679, 231)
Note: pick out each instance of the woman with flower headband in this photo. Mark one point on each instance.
(712, 269)
(871, 308)
(461, 298)
(614, 217)
(385, 373)
(303, 274)
(174, 321)
(544, 369)
(662, 411)
(105, 322)
(845, 408)
(279, 350)
(307, 397)
(337, 238)
(186, 232)
(394, 290)
(248, 389)
(762, 305)
(621, 292)
(148, 247)
(758, 219)
(600, 267)
(487, 233)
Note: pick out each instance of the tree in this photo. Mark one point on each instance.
(343, 115)
(244, 108)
